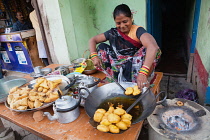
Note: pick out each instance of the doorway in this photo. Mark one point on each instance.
(169, 24)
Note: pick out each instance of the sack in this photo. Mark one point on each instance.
(187, 94)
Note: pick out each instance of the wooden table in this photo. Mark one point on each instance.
(78, 129)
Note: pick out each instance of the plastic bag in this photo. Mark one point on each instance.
(187, 94)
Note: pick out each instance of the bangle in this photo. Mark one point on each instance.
(144, 70)
(146, 67)
(142, 73)
(93, 57)
(93, 54)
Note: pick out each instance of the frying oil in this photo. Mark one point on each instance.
(126, 102)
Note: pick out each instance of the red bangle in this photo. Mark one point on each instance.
(146, 67)
(143, 73)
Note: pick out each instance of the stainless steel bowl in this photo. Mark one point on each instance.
(88, 72)
(7, 83)
(78, 61)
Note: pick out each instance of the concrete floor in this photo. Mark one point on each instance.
(170, 84)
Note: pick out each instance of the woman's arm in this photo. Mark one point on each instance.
(92, 46)
(95, 40)
(148, 42)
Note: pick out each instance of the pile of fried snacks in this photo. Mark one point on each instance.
(44, 91)
(132, 91)
(112, 120)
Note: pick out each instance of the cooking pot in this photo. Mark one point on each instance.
(84, 85)
(64, 70)
(66, 109)
(112, 93)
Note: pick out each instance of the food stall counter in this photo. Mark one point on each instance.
(78, 129)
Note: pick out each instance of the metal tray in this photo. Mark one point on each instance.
(34, 109)
(64, 83)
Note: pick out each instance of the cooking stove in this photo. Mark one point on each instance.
(171, 121)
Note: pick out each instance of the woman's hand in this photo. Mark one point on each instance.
(142, 81)
(97, 62)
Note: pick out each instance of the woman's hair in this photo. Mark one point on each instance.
(122, 9)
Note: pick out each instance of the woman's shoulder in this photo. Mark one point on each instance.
(135, 26)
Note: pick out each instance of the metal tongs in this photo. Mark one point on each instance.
(112, 79)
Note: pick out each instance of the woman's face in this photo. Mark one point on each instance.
(123, 23)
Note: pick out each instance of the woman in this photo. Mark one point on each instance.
(132, 53)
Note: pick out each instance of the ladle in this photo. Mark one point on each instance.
(113, 79)
(140, 97)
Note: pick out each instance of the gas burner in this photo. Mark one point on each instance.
(190, 121)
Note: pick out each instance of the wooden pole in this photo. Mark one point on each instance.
(36, 7)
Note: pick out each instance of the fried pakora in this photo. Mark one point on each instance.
(132, 90)
(98, 116)
(129, 91)
(113, 120)
(103, 128)
(122, 125)
(114, 129)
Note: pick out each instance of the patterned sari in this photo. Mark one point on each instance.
(123, 58)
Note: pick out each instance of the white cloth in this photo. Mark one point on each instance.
(35, 23)
(41, 49)
(121, 78)
(40, 43)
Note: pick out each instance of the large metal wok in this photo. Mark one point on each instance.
(112, 93)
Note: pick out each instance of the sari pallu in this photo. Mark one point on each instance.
(123, 58)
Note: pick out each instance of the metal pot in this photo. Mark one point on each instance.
(112, 93)
(65, 109)
(64, 70)
(84, 85)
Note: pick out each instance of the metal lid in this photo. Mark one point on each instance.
(65, 102)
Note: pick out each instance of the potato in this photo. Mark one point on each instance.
(105, 122)
(127, 122)
(113, 118)
(129, 91)
(122, 125)
(114, 129)
(97, 117)
(119, 111)
(103, 128)
(103, 111)
(111, 109)
(127, 116)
